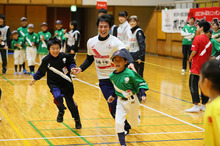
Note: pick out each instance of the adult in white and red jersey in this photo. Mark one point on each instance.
(101, 48)
(201, 52)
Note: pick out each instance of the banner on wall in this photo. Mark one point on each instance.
(174, 20)
(101, 4)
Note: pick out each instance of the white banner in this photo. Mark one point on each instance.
(174, 20)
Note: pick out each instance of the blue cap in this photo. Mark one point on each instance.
(120, 53)
(58, 22)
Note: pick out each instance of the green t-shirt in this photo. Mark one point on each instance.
(22, 31)
(216, 33)
(127, 80)
(215, 46)
(31, 38)
(42, 48)
(189, 29)
(60, 34)
(19, 41)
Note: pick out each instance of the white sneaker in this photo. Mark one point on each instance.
(183, 70)
(202, 107)
(194, 109)
(189, 71)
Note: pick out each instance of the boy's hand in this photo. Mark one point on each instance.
(143, 99)
(111, 99)
(6, 47)
(139, 61)
(76, 71)
(56, 34)
(131, 66)
(72, 52)
(64, 31)
(32, 82)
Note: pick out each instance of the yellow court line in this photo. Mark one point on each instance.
(14, 127)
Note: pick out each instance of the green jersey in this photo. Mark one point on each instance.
(31, 38)
(214, 33)
(22, 31)
(188, 29)
(15, 42)
(128, 81)
(60, 34)
(215, 46)
(42, 48)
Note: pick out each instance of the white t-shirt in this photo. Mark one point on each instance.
(102, 52)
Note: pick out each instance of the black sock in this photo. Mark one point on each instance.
(30, 68)
(121, 137)
(20, 68)
(33, 68)
(24, 65)
(16, 68)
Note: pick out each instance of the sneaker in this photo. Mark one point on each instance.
(202, 107)
(78, 124)
(15, 73)
(20, 73)
(194, 109)
(189, 71)
(4, 72)
(183, 70)
(24, 71)
(32, 73)
(60, 116)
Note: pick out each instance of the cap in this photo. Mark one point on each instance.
(58, 22)
(31, 25)
(13, 32)
(133, 17)
(120, 53)
(23, 19)
(44, 23)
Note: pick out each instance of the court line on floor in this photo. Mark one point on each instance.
(151, 108)
(6, 79)
(166, 140)
(41, 134)
(92, 136)
(14, 127)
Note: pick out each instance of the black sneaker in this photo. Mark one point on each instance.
(3, 71)
(78, 124)
(60, 116)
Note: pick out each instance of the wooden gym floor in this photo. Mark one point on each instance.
(29, 114)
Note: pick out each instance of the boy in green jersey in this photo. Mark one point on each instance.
(17, 45)
(31, 40)
(216, 31)
(188, 32)
(44, 36)
(21, 32)
(60, 34)
(127, 84)
(215, 44)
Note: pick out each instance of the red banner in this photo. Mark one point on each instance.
(208, 14)
(101, 5)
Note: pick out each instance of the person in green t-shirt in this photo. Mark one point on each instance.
(60, 34)
(188, 32)
(21, 32)
(215, 45)
(17, 45)
(216, 31)
(31, 41)
(127, 84)
(44, 36)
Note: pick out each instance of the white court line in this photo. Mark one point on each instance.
(153, 109)
(90, 136)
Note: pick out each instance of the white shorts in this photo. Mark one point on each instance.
(31, 53)
(18, 57)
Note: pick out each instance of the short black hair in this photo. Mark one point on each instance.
(102, 11)
(215, 22)
(123, 14)
(205, 25)
(105, 18)
(74, 23)
(211, 71)
(0, 33)
(2, 16)
(192, 18)
(52, 41)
